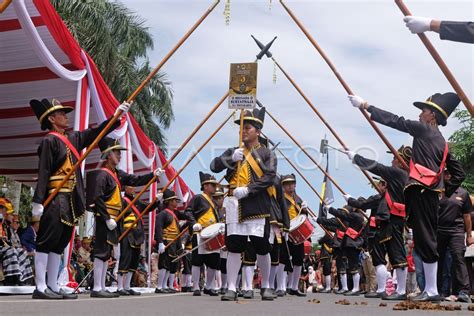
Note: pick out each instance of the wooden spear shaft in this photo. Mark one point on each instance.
(321, 117)
(130, 99)
(186, 141)
(441, 64)
(344, 84)
(148, 208)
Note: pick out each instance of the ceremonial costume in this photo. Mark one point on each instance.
(218, 198)
(186, 279)
(457, 31)
(105, 201)
(249, 219)
(325, 259)
(57, 152)
(430, 156)
(202, 213)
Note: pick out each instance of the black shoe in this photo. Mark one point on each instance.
(123, 292)
(325, 291)
(222, 291)
(374, 295)
(266, 294)
(463, 298)
(46, 295)
(280, 293)
(240, 293)
(102, 294)
(297, 293)
(424, 297)
(394, 297)
(171, 291)
(273, 291)
(159, 291)
(248, 294)
(133, 292)
(211, 292)
(352, 293)
(341, 291)
(197, 293)
(229, 296)
(67, 296)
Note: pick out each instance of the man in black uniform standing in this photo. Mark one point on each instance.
(58, 152)
(105, 201)
(448, 30)
(425, 184)
(455, 220)
(249, 219)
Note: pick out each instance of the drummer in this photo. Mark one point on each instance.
(203, 212)
(218, 198)
(296, 207)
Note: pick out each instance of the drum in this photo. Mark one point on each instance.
(213, 236)
(300, 229)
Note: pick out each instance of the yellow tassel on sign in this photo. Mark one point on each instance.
(227, 13)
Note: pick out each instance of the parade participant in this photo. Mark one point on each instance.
(58, 152)
(429, 158)
(130, 246)
(186, 278)
(454, 220)
(202, 213)
(296, 206)
(250, 220)
(325, 260)
(352, 242)
(448, 30)
(218, 198)
(166, 231)
(105, 201)
(396, 178)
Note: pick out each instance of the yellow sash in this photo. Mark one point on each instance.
(208, 218)
(294, 210)
(129, 220)
(114, 204)
(59, 175)
(258, 171)
(328, 249)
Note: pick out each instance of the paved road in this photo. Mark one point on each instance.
(185, 304)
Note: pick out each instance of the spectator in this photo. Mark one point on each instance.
(141, 274)
(28, 235)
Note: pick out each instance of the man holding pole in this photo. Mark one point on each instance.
(58, 152)
(249, 218)
(429, 159)
(104, 200)
(448, 30)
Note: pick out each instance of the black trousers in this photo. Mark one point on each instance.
(297, 253)
(326, 263)
(422, 209)
(275, 254)
(102, 248)
(457, 248)
(223, 266)
(394, 247)
(165, 259)
(353, 262)
(129, 257)
(341, 260)
(211, 260)
(53, 235)
(238, 244)
(187, 264)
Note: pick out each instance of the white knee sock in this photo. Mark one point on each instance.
(344, 281)
(381, 274)
(430, 270)
(128, 280)
(210, 279)
(271, 279)
(165, 280)
(327, 279)
(223, 280)
(402, 280)
(53, 270)
(171, 280)
(355, 281)
(247, 272)
(98, 267)
(161, 277)
(281, 275)
(120, 278)
(104, 276)
(289, 280)
(296, 277)
(233, 266)
(41, 263)
(196, 272)
(218, 279)
(265, 263)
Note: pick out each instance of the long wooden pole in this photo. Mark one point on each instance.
(148, 208)
(441, 64)
(241, 130)
(306, 153)
(321, 117)
(168, 162)
(130, 99)
(344, 84)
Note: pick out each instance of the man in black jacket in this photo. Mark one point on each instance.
(448, 30)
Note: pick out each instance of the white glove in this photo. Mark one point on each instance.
(197, 227)
(37, 209)
(304, 204)
(326, 207)
(241, 192)
(111, 224)
(357, 101)
(161, 248)
(158, 172)
(159, 196)
(347, 197)
(285, 236)
(238, 155)
(417, 24)
(350, 154)
(124, 107)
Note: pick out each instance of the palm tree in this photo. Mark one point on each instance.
(117, 40)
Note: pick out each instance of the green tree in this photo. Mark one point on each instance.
(118, 40)
(462, 146)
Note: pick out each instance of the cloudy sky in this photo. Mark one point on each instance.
(366, 40)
